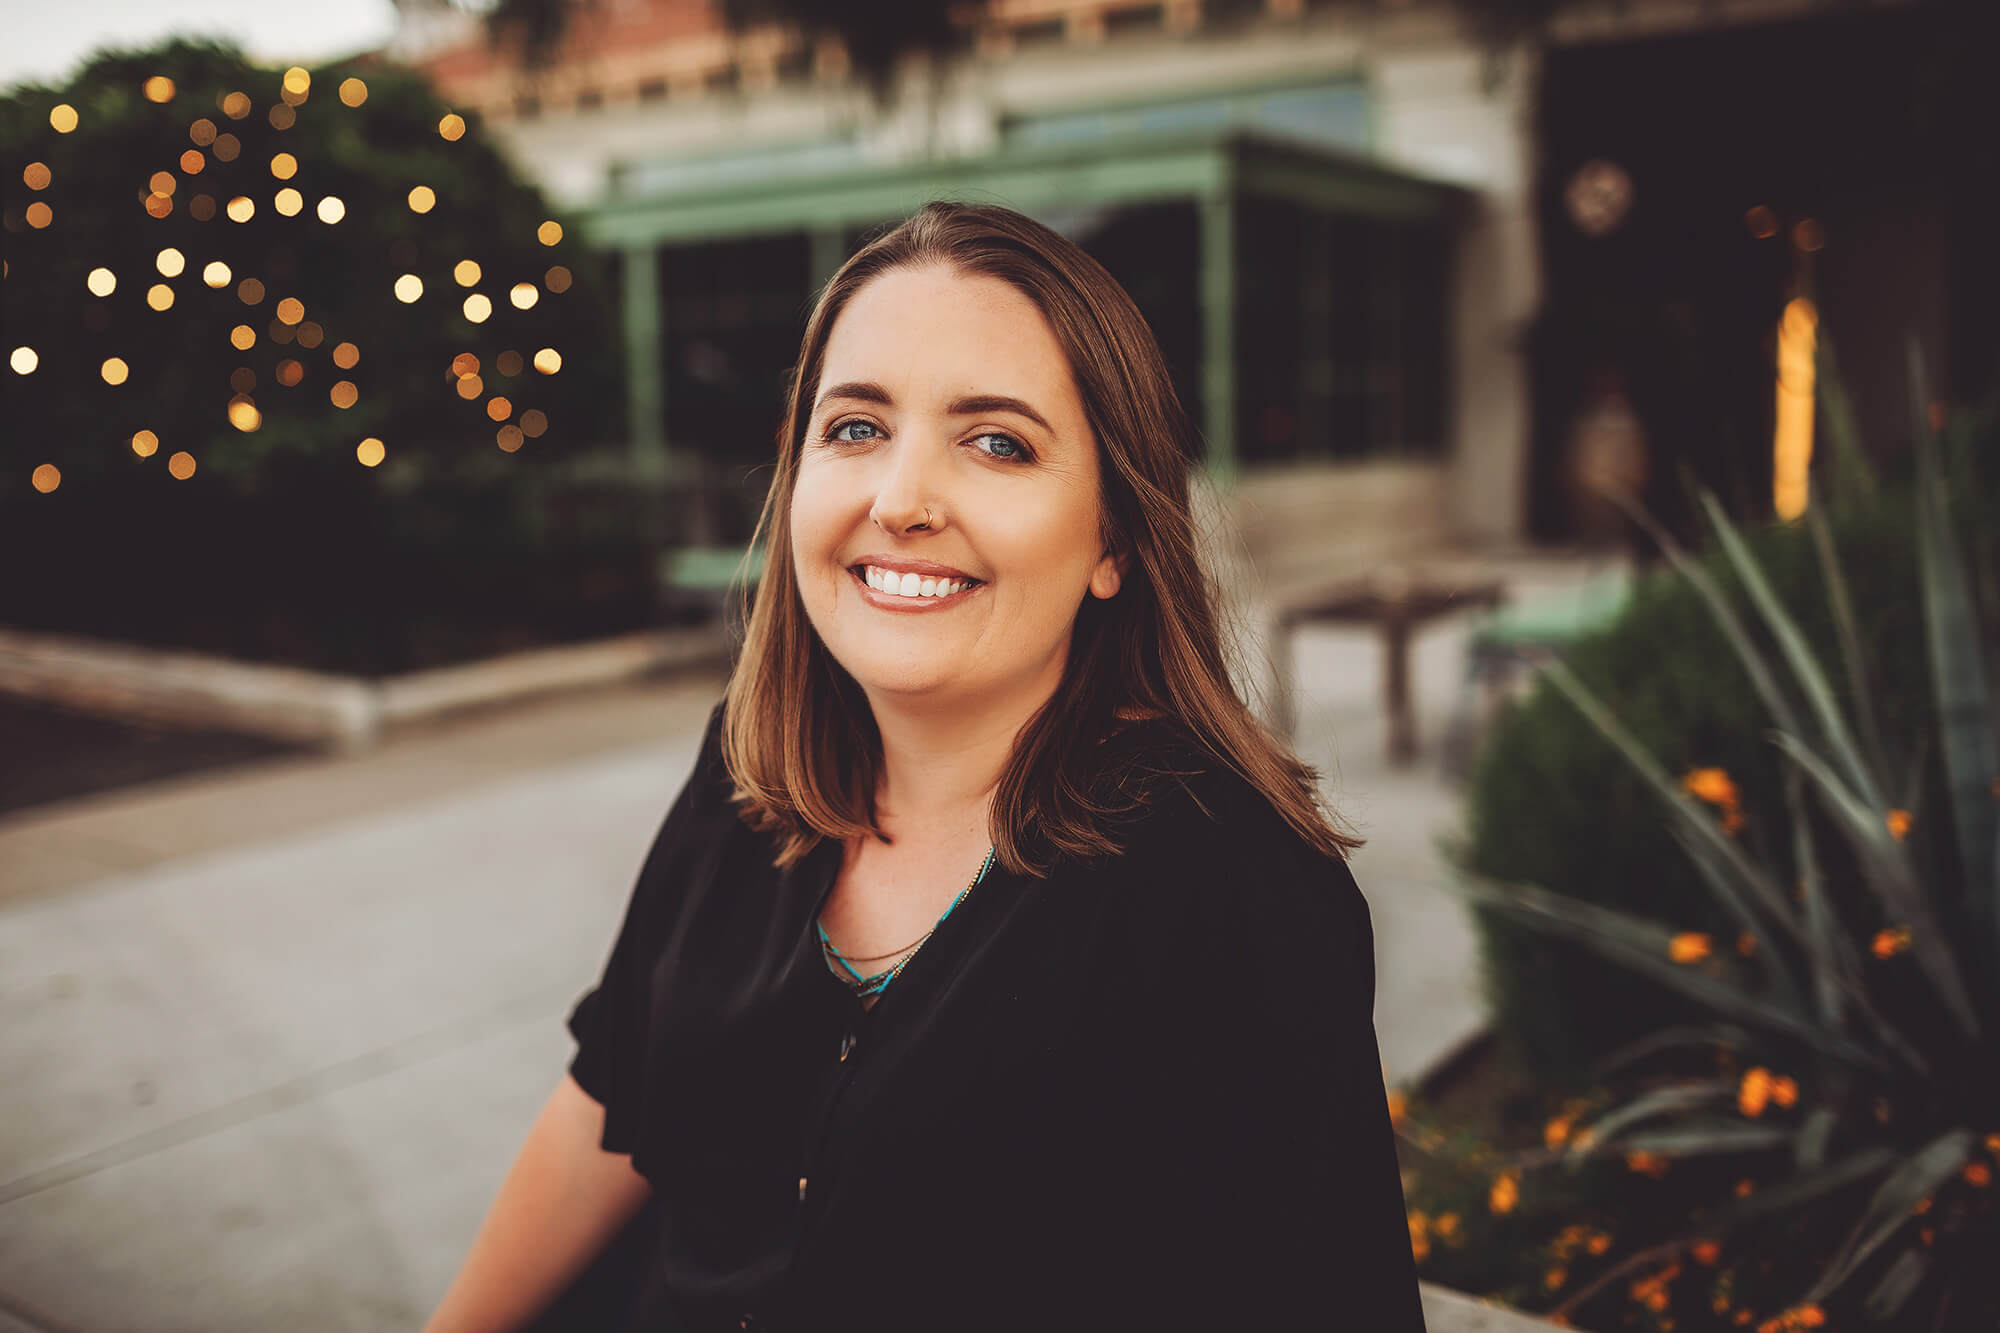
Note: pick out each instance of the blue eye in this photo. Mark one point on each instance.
(838, 432)
(1016, 451)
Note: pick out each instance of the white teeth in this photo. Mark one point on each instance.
(928, 588)
(912, 585)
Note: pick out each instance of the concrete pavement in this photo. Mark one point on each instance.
(269, 1039)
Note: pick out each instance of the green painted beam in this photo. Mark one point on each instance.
(645, 368)
(1218, 332)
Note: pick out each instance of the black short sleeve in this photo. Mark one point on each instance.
(611, 1021)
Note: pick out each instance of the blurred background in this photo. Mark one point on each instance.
(390, 397)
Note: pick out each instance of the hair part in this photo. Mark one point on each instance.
(799, 737)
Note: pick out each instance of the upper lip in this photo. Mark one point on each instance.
(902, 564)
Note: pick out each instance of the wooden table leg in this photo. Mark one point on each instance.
(1396, 689)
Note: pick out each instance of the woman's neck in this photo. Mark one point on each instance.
(940, 766)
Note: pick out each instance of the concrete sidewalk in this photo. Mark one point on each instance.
(272, 1037)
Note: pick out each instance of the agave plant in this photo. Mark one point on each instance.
(1888, 1145)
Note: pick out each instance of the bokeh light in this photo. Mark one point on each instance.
(478, 308)
(291, 310)
(548, 361)
(557, 279)
(241, 209)
(331, 210)
(228, 148)
(243, 415)
(36, 175)
(297, 86)
(470, 387)
(524, 295)
(343, 394)
(47, 477)
(181, 465)
(279, 332)
(236, 105)
(24, 360)
(163, 182)
(465, 363)
(452, 127)
(353, 92)
(202, 207)
(250, 291)
(159, 88)
(160, 296)
(499, 407)
(408, 288)
(288, 373)
(310, 334)
(159, 205)
(101, 282)
(114, 370)
(422, 199)
(244, 380)
(202, 132)
(192, 162)
(1808, 235)
(171, 262)
(243, 337)
(145, 444)
(289, 202)
(549, 233)
(216, 274)
(465, 273)
(1761, 222)
(508, 438)
(284, 166)
(40, 215)
(62, 118)
(533, 423)
(282, 116)
(509, 362)
(370, 451)
(347, 356)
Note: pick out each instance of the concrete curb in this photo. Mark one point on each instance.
(293, 704)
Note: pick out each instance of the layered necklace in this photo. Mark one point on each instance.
(864, 986)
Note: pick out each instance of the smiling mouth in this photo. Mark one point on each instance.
(890, 587)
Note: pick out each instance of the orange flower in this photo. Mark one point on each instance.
(1556, 1132)
(1689, 947)
(1784, 1091)
(1712, 785)
(1555, 1277)
(1420, 1237)
(1978, 1174)
(1922, 1206)
(1889, 943)
(1754, 1092)
(1743, 1317)
(1446, 1226)
(1651, 1164)
(1707, 1252)
(1599, 1243)
(1993, 1143)
(1899, 824)
(1744, 1188)
(1506, 1192)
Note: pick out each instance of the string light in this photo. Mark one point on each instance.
(347, 356)
(228, 148)
(36, 175)
(465, 273)
(465, 363)
(145, 444)
(159, 205)
(353, 92)
(548, 361)
(422, 199)
(470, 387)
(243, 414)
(202, 132)
(181, 465)
(241, 209)
(499, 408)
(288, 373)
(297, 85)
(557, 279)
(47, 477)
(369, 451)
(284, 166)
(202, 207)
(344, 395)
(160, 296)
(289, 202)
(40, 215)
(331, 210)
(24, 360)
(549, 233)
(170, 262)
(216, 274)
(163, 182)
(291, 310)
(408, 288)
(101, 282)
(533, 423)
(114, 370)
(62, 118)
(510, 363)
(508, 438)
(310, 334)
(244, 380)
(282, 117)
(478, 308)
(192, 162)
(524, 295)
(243, 337)
(159, 88)
(236, 105)
(250, 292)
(452, 127)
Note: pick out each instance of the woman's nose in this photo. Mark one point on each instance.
(904, 498)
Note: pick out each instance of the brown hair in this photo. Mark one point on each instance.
(799, 738)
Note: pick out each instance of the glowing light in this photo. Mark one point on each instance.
(343, 394)
(47, 477)
(1808, 235)
(289, 202)
(40, 215)
(24, 360)
(369, 451)
(298, 83)
(408, 288)
(114, 370)
(250, 291)
(216, 274)
(533, 423)
(171, 262)
(236, 105)
(241, 209)
(228, 148)
(331, 210)
(470, 387)
(243, 379)
(159, 88)
(284, 166)
(202, 132)
(163, 182)
(310, 334)
(524, 295)
(243, 415)
(145, 444)
(288, 373)
(353, 92)
(557, 279)
(159, 205)
(160, 296)
(465, 363)
(508, 438)
(499, 408)
(452, 127)
(478, 308)
(279, 332)
(202, 207)
(192, 162)
(242, 337)
(62, 118)
(423, 199)
(347, 356)
(549, 233)
(548, 361)
(465, 273)
(1793, 440)
(282, 116)
(510, 362)
(181, 465)
(291, 310)
(36, 175)
(101, 282)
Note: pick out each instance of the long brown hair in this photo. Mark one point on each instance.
(799, 738)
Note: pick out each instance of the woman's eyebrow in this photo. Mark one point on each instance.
(867, 391)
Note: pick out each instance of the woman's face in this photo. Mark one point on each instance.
(947, 442)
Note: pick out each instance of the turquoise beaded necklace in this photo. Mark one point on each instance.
(863, 987)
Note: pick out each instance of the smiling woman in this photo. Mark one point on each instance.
(850, 1087)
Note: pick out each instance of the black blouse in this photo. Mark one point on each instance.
(1139, 1094)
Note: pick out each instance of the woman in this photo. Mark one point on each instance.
(995, 968)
